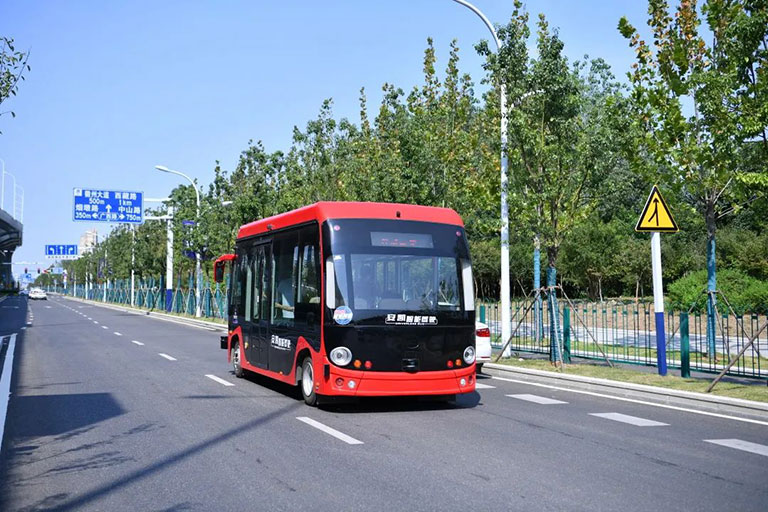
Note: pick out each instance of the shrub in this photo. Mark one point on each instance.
(744, 293)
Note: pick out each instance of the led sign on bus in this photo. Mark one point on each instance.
(385, 239)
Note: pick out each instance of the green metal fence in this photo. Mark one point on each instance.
(150, 294)
(626, 333)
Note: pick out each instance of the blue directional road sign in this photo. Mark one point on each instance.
(61, 251)
(92, 205)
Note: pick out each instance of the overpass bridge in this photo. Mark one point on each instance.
(10, 238)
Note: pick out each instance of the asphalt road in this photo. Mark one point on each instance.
(116, 411)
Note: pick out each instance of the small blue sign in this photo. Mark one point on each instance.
(61, 251)
(91, 205)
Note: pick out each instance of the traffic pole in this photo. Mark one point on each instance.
(658, 303)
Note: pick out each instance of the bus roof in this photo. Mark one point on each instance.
(325, 210)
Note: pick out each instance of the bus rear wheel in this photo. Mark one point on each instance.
(307, 384)
(239, 372)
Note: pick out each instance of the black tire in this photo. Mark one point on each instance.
(307, 383)
(236, 365)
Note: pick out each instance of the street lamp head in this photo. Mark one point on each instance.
(162, 168)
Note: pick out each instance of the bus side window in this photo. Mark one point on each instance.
(258, 282)
(236, 284)
(285, 258)
(248, 288)
(308, 304)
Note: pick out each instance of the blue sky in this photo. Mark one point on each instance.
(118, 87)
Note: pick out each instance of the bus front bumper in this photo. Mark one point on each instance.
(343, 382)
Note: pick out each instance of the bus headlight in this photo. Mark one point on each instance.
(469, 355)
(341, 356)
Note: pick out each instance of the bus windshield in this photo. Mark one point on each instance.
(392, 265)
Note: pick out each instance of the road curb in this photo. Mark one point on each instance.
(692, 400)
(155, 314)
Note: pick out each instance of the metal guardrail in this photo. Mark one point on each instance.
(627, 334)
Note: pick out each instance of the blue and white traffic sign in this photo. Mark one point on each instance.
(93, 205)
(61, 251)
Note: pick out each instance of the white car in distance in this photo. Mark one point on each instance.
(38, 294)
(482, 345)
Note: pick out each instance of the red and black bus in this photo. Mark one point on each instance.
(354, 299)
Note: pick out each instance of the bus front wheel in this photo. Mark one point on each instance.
(239, 372)
(308, 382)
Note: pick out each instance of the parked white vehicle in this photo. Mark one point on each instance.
(482, 345)
(38, 294)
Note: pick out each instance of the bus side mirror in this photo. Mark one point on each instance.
(218, 271)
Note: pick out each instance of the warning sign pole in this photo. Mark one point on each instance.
(656, 219)
(658, 303)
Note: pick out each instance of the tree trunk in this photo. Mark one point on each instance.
(711, 276)
(555, 355)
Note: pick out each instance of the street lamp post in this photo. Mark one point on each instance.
(198, 265)
(506, 326)
(168, 218)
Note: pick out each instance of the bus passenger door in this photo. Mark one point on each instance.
(257, 352)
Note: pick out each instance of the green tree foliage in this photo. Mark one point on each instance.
(703, 108)
(13, 65)
(560, 129)
(745, 294)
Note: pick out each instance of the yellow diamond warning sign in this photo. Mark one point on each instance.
(656, 215)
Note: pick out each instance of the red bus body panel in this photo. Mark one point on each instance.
(368, 383)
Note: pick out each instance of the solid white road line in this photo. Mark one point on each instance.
(220, 381)
(635, 401)
(167, 356)
(478, 385)
(5, 383)
(538, 399)
(137, 343)
(738, 444)
(328, 430)
(117, 333)
(625, 418)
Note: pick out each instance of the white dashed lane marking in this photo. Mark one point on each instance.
(220, 381)
(117, 333)
(104, 327)
(328, 430)
(483, 386)
(632, 420)
(537, 399)
(137, 343)
(167, 356)
(738, 444)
